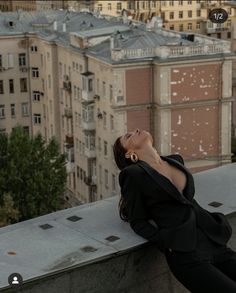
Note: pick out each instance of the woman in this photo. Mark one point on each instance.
(157, 200)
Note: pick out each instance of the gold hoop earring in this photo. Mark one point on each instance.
(134, 158)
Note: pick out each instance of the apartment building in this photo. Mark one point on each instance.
(30, 5)
(87, 80)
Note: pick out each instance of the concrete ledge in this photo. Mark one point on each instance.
(97, 252)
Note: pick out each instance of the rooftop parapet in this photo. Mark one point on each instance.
(88, 248)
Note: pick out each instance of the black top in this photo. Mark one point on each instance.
(178, 217)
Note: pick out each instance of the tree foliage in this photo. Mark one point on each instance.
(33, 172)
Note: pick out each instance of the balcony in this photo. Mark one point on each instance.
(90, 180)
(68, 112)
(88, 125)
(87, 96)
(23, 68)
(67, 86)
(60, 251)
(69, 140)
(90, 153)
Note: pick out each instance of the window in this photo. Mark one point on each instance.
(90, 85)
(13, 110)
(34, 49)
(112, 122)
(180, 14)
(104, 89)
(100, 7)
(100, 174)
(106, 177)
(11, 86)
(98, 86)
(171, 3)
(229, 23)
(172, 27)
(190, 13)
(189, 2)
(22, 59)
(49, 81)
(181, 3)
(105, 148)
(118, 6)
(229, 10)
(171, 15)
(23, 85)
(35, 72)
(37, 118)
(181, 27)
(2, 111)
(228, 35)
(198, 25)
(48, 55)
(60, 69)
(104, 119)
(113, 182)
(1, 87)
(198, 12)
(109, 6)
(190, 26)
(111, 92)
(99, 144)
(0, 60)
(24, 109)
(219, 35)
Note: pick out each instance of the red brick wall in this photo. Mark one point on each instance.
(138, 119)
(138, 85)
(200, 82)
(195, 131)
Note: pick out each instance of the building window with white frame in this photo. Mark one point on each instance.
(171, 15)
(181, 27)
(104, 89)
(190, 26)
(112, 122)
(11, 86)
(104, 119)
(37, 118)
(22, 59)
(105, 148)
(13, 110)
(25, 109)
(34, 49)
(181, 2)
(1, 87)
(100, 7)
(35, 72)
(190, 13)
(2, 111)
(171, 3)
(106, 177)
(198, 25)
(180, 14)
(198, 12)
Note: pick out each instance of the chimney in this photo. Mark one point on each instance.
(55, 25)
(64, 27)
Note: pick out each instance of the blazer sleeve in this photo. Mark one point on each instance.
(137, 215)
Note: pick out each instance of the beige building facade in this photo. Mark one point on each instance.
(88, 86)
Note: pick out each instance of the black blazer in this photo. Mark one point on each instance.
(152, 196)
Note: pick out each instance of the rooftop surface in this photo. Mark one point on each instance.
(150, 40)
(77, 236)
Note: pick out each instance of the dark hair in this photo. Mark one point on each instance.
(121, 162)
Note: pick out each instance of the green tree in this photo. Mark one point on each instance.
(33, 172)
(7, 212)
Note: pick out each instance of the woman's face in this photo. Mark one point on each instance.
(136, 139)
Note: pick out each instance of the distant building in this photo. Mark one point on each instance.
(88, 80)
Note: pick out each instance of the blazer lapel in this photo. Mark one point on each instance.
(189, 189)
(166, 184)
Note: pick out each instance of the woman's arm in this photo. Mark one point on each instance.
(137, 215)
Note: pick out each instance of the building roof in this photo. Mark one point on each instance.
(151, 42)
